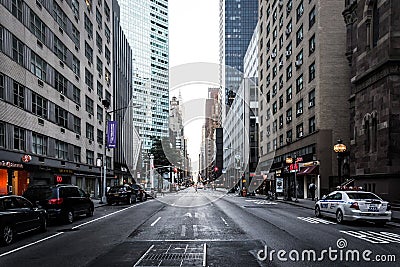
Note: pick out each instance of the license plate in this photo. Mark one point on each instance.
(373, 209)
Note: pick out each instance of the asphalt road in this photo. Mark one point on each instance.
(205, 228)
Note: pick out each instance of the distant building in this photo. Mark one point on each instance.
(372, 27)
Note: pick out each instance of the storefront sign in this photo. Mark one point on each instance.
(112, 134)
(26, 158)
(59, 179)
(10, 164)
(279, 185)
(65, 171)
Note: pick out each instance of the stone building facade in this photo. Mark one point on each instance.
(374, 56)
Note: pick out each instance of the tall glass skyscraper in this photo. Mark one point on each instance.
(238, 18)
(145, 23)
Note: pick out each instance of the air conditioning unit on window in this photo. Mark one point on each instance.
(268, 133)
(301, 134)
(288, 31)
(311, 104)
(289, 119)
(298, 63)
(280, 2)
(288, 53)
(312, 49)
(288, 140)
(280, 63)
(299, 111)
(273, 55)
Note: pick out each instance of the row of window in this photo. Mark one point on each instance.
(40, 145)
(280, 141)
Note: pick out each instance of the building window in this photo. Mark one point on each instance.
(288, 29)
(75, 8)
(289, 136)
(289, 72)
(99, 136)
(16, 9)
(39, 144)
(275, 126)
(39, 105)
(2, 134)
(311, 44)
(76, 95)
(274, 107)
(311, 18)
(76, 66)
(75, 36)
(299, 11)
(281, 82)
(99, 66)
(289, 6)
(61, 117)
(38, 66)
(107, 33)
(289, 115)
(37, 27)
(281, 140)
(89, 157)
(289, 94)
(281, 42)
(299, 130)
(89, 105)
(274, 71)
(299, 35)
(60, 83)
(311, 125)
(281, 102)
(375, 24)
(311, 99)
(289, 49)
(107, 55)
(99, 43)
(1, 38)
(299, 107)
(99, 113)
(61, 150)
(89, 132)
(281, 121)
(77, 125)
(107, 11)
(59, 15)
(299, 59)
(18, 50)
(274, 89)
(19, 95)
(311, 72)
(19, 138)
(89, 79)
(108, 96)
(100, 90)
(88, 52)
(2, 86)
(107, 77)
(77, 154)
(60, 49)
(299, 84)
(108, 162)
(99, 18)
(88, 26)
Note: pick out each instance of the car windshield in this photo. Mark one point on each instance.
(117, 189)
(361, 196)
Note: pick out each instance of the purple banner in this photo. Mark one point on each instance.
(112, 134)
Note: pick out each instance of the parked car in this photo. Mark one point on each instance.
(354, 205)
(140, 193)
(62, 201)
(17, 216)
(121, 193)
(150, 192)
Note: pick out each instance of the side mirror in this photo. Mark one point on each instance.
(324, 196)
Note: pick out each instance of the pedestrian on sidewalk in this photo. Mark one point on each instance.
(312, 187)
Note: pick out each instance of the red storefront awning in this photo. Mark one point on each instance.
(312, 170)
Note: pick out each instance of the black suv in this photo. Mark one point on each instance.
(121, 193)
(61, 201)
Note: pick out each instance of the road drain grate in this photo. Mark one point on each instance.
(176, 254)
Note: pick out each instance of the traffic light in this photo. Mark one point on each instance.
(215, 169)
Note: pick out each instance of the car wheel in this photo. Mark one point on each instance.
(339, 216)
(43, 226)
(90, 212)
(134, 198)
(317, 211)
(7, 233)
(129, 200)
(69, 216)
(109, 203)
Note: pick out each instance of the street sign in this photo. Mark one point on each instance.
(279, 185)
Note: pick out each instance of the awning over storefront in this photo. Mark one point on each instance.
(312, 170)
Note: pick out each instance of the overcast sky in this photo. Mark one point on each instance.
(193, 37)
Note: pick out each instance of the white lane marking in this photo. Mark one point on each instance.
(144, 255)
(195, 232)
(183, 232)
(204, 255)
(166, 252)
(31, 244)
(154, 223)
(374, 237)
(224, 221)
(315, 220)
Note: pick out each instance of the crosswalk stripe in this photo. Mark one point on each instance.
(315, 220)
(375, 237)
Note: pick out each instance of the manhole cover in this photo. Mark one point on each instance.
(174, 255)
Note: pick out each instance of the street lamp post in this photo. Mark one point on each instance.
(339, 148)
(106, 103)
(289, 161)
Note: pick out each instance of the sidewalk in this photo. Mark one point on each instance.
(310, 204)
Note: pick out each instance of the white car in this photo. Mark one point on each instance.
(354, 205)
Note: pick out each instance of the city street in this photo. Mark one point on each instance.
(204, 228)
